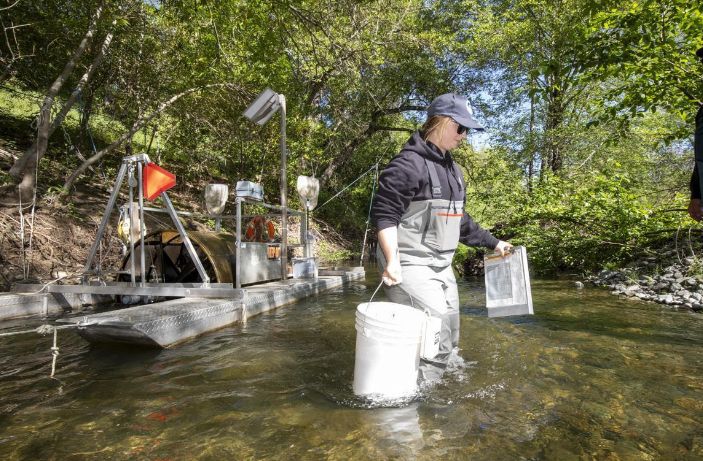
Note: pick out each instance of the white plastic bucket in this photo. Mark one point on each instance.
(388, 338)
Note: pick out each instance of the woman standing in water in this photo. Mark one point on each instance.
(419, 213)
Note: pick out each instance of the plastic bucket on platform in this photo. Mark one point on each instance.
(388, 340)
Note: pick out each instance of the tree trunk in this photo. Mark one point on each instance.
(85, 78)
(25, 165)
(531, 148)
(85, 142)
(555, 119)
(138, 124)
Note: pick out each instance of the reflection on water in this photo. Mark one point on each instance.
(589, 376)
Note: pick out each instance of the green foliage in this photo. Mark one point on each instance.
(695, 268)
(23, 105)
(328, 253)
(581, 227)
(616, 197)
(649, 47)
(587, 103)
(462, 255)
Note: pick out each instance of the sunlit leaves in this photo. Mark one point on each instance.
(649, 45)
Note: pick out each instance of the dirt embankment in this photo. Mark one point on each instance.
(51, 240)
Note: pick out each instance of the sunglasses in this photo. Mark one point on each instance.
(460, 129)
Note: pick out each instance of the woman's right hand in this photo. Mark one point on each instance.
(503, 248)
(392, 275)
(388, 241)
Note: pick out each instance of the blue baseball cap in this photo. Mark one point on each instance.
(457, 107)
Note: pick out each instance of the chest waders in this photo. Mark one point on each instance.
(428, 235)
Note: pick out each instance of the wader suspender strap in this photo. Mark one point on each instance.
(434, 181)
(459, 176)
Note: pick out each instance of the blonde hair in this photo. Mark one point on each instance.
(435, 124)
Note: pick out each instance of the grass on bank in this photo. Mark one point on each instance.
(18, 113)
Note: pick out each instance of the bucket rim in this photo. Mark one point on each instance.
(411, 312)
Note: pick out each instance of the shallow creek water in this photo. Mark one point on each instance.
(589, 376)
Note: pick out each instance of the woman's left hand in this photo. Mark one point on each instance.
(503, 248)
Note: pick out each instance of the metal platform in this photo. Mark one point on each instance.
(33, 303)
(175, 290)
(170, 322)
(49, 299)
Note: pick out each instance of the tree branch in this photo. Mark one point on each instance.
(138, 124)
(40, 146)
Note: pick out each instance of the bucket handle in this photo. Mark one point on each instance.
(375, 291)
(412, 303)
(379, 287)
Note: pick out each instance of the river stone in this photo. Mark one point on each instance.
(666, 299)
(660, 286)
(646, 281)
(578, 285)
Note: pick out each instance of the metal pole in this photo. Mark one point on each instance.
(368, 219)
(45, 305)
(304, 237)
(186, 241)
(237, 246)
(284, 192)
(130, 184)
(141, 221)
(106, 216)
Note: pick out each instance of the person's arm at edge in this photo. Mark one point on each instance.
(694, 206)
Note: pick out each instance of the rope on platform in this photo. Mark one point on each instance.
(41, 290)
(54, 355)
(41, 329)
(68, 275)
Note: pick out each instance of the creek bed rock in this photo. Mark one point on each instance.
(678, 284)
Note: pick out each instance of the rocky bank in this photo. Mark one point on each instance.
(678, 283)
